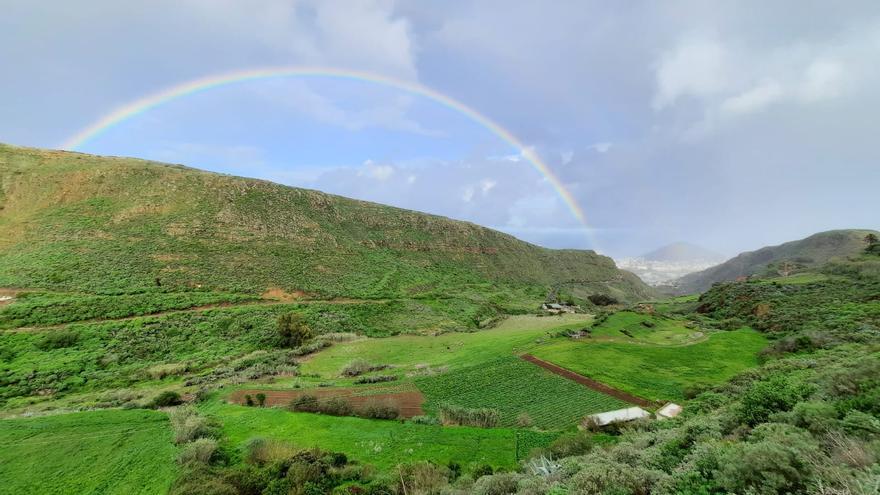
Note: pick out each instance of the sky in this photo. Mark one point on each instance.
(731, 125)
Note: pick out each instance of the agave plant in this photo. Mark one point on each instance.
(542, 466)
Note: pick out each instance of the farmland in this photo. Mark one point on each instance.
(630, 326)
(658, 372)
(112, 452)
(515, 387)
(382, 443)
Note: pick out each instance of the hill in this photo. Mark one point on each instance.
(783, 259)
(683, 252)
(77, 222)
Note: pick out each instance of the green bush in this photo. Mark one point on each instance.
(379, 410)
(58, 340)
(293, 331)
(188, 425)
(167, 398)
(763, 398)
(199, 451)
(335, 406)
(305, 403)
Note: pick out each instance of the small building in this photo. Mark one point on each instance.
(668, 411)
(619, 415)
(555, 308)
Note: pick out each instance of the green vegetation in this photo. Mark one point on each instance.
(119, 452)
(45, 308)
(414, 353)
(658, 372)
(380, 442)
(101, 225)
(513, 387)
(630, 326)
(783, 260)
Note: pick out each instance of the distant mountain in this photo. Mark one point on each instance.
(678, 252)
(670, 262)
(795, 255)
(78, 222)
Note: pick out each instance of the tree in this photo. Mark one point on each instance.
(261, 399)
(871, 239)
(292, 331)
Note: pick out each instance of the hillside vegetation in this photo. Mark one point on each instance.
(813, 251)
(77, 222)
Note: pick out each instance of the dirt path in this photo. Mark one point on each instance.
(196, 309)
(409, 403)
(589, 382)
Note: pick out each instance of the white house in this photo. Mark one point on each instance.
(669, 411)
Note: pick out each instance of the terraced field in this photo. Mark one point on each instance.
(516, 387)
(658, 372)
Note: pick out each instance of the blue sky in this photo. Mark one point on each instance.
(730, 125)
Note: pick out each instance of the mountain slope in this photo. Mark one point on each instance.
(812, 251)
(73, 221)
(681, 252)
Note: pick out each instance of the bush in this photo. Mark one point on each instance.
(375, 379)
(292, 331)
(523, 420)
(199, 451)
(167, 398)
(336, 406)
(579, 443)
(359, 367)
(764, 398)
(482, 470)
(421, 478)
(499, 484)
(188, 425)
(305, 403)
(424, 420)
(380, 410)
(261, 399)
(602, 300)
(58, 340)
(457, 415)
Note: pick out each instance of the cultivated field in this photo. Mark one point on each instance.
(658, 372)
(516, 387)
(106, 452)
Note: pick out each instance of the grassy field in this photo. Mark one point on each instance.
(382, 443)
(454, 349)
(629, 326)
(658, 372)
(513, 386)
(101, 452)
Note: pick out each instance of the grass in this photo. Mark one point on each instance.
(658, 372)
(513, 386)
(454, 349)
(101, 452)
(796, 279)
(382, 443)
(629, 326)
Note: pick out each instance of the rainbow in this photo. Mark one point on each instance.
(142, 105)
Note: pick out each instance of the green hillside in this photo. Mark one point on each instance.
(780, 260)
(76, 222)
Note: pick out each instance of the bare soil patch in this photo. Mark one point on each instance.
(408, 402)
(589, 382)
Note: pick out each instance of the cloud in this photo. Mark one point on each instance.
(693, 68)
(753, 99)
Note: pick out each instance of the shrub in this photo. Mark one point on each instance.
(375, 379)
(425, 420)
(261, 399)
(167, 398)
(336, 406)
(457, 415)
(188, 425)
(292, 331)
(248, 400)
(305, 403)
(359, 367)
(499, 484)
(421, 478)
(58, 340)
(482, 470)
(262, 451)
(199, 451)
(523, 420)
(602, 300)
(380, 410)
(764, 398)
(579, 443)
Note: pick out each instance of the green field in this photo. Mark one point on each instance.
(658, 372)
(101, 452)
(454, 349)
(513, 386)
(629, 326)
(382, 443)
